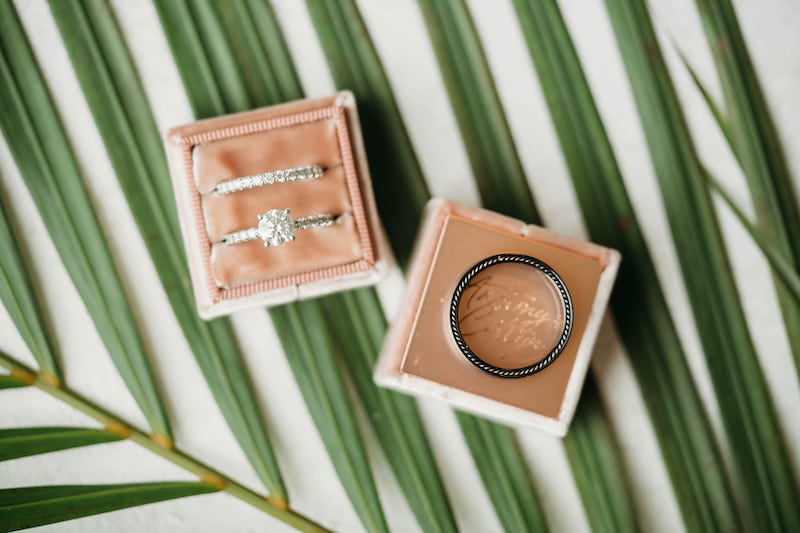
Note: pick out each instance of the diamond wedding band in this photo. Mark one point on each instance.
(268, 178)
(276, 227)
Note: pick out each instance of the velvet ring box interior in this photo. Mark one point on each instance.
(499, 317)
(324, 133)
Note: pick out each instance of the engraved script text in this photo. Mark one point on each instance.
(511, 315)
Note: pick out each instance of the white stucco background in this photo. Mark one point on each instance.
(772, 30)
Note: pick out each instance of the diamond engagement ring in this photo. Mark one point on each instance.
(277, 227)
(268, 178)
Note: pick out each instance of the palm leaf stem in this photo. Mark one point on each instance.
(128, 431)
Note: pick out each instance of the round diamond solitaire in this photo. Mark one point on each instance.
(276, 227)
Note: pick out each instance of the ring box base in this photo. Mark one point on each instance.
(226, 278)
(420, 355)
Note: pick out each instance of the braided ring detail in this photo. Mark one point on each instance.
(456, 328)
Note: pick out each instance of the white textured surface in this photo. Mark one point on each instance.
(771, 29)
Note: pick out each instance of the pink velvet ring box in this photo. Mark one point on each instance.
(323, 133)
(499, 318)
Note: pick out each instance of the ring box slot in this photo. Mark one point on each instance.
(352, 252)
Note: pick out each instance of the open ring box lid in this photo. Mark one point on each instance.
(420, 354)
(353, 252)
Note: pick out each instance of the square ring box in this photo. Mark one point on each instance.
(499, 317)
(234, 178)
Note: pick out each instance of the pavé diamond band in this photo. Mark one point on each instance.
(268, 178)
(276, 227)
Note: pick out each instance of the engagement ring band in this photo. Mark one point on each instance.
(277, 227)
(268, 178)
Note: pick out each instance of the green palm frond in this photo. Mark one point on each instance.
(504, 188)
(754, 140)
(18, 296)
(504, 473)
(122, 114)
(38, 437)
(232, 56)
(640, 310)
(25, 507)
(602, 482)
(482, 122)
(782, 265)
(22, 442)
(34, 133)
(356, 324)
(400, 190)
(779, 262)
(256, 42)
(193, 61)
(310, 348)
(766, 489)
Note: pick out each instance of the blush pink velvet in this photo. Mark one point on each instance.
(320, 132)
